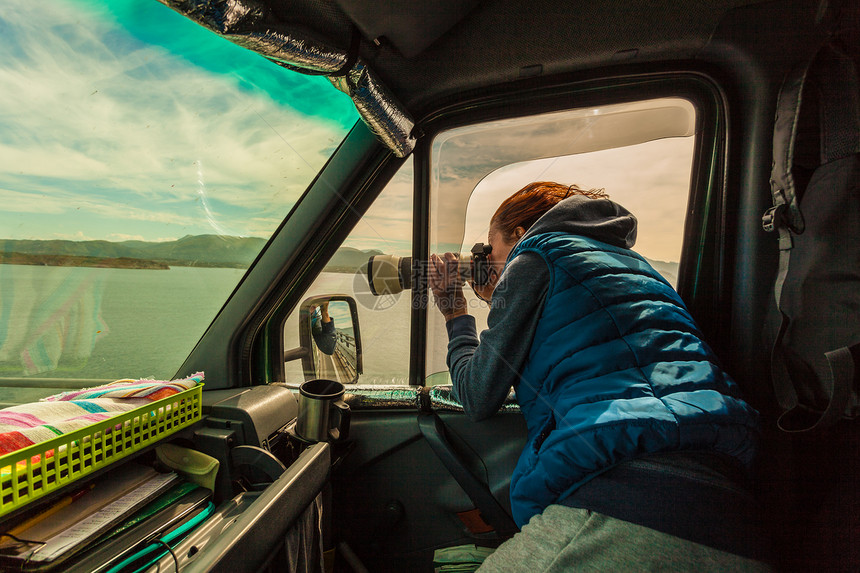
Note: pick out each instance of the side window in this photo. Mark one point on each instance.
(640, 153)
(384, 321)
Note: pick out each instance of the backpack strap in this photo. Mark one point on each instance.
(838, 87)
(785, 214)
(839, 381)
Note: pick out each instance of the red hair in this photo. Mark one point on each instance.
(529, 204)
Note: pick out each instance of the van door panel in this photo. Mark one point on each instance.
(394, 500)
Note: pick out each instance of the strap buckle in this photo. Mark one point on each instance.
(774, 218)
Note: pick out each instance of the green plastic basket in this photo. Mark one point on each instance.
(33, 472)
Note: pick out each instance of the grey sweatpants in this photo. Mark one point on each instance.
(572, 539)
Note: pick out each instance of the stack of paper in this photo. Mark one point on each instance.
(83, 517)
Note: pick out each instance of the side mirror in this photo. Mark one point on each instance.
(330, 339)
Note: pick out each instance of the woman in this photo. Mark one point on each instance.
(637, 440)
(322, 329)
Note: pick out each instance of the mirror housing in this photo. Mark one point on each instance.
(330, 339)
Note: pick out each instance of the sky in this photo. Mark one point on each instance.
(387, 224)
(639, 153)
(651, 180)
(124, 120)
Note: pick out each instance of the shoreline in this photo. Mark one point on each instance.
(80, 261)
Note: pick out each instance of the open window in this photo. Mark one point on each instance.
(640, 153)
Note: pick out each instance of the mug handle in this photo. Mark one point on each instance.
(339, 416)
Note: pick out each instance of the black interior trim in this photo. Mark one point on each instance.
(420, 252)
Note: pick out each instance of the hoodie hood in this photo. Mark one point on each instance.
(599, 219)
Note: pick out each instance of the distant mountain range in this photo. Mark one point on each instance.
(668, 270)
(189, 251)
(192, 251)
(349, 260)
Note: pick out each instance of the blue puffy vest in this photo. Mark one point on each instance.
(617, 369)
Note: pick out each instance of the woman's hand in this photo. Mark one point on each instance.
(446, 285)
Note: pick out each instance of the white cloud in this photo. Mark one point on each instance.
(18, 202)
(79, 236)
(59, 202)
(651, 180)
(125, 237)
(76, 112)
(387, 224)
(481, 165)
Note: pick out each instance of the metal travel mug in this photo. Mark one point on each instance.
(323, 415)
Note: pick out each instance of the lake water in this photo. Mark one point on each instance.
(72, 322)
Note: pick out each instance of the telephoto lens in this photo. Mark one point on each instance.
(390, 274)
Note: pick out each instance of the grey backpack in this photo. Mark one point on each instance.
(817, 332)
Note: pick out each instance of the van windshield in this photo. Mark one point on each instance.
(144, 163)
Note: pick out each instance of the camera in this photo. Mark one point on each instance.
(390, 274)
